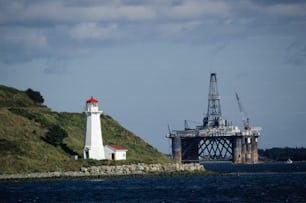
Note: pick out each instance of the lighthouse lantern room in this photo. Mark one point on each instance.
(93, 148)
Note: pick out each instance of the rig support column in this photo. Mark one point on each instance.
(254, 148)
(177, 149)
(248, 153)
(243, 149)
(237, 149)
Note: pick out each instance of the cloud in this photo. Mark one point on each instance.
(296, 53)
(61, 12)
(28, 38)
(194, 9)
(57, 28)
(65, 12)
(177, 30)
(18, 43)
(219, 48)
(93, 31)
(289, 10)
(55, 67)
(55, 70)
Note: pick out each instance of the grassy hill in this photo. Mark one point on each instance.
(24, 145)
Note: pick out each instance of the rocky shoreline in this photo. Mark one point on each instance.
(132, 170)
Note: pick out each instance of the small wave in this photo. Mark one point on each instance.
(96, 180)
(268, 173)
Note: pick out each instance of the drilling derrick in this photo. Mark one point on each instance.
(213, 116)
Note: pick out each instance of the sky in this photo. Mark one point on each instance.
(149, 62)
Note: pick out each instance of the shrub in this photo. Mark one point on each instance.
(35, 96)
(55, 135)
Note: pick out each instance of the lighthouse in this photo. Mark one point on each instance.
(93, 148)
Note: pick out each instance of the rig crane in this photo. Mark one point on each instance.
(245, 119)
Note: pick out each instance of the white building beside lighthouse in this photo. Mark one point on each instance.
(93, 148)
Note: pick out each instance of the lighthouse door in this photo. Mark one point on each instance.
(113, 156)
(87, 154)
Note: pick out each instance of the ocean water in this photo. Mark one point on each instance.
(277, 182)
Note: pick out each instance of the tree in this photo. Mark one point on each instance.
(55, 135)
(35, 96)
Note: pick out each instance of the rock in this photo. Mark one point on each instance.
(132, 169)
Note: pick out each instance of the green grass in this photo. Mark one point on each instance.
(23, 124)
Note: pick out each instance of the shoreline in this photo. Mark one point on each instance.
(111, 172)
(106, 177)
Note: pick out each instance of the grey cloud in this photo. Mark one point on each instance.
(62, 28)
(29, 38)
(219, 48)
(55, 66)
(61, 12)
(296, 53)
(18, 43)
(56, 70)
(92, 30)
(92, 11)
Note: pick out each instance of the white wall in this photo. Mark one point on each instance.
(119, 154)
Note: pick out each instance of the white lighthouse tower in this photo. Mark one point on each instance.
(93, 148)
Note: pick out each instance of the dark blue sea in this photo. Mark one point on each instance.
(273, 182)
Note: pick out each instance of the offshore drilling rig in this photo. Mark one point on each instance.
(216, 139)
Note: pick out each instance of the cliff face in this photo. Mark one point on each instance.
(29, 143)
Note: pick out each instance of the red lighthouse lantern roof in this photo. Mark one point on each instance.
(92, 100)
